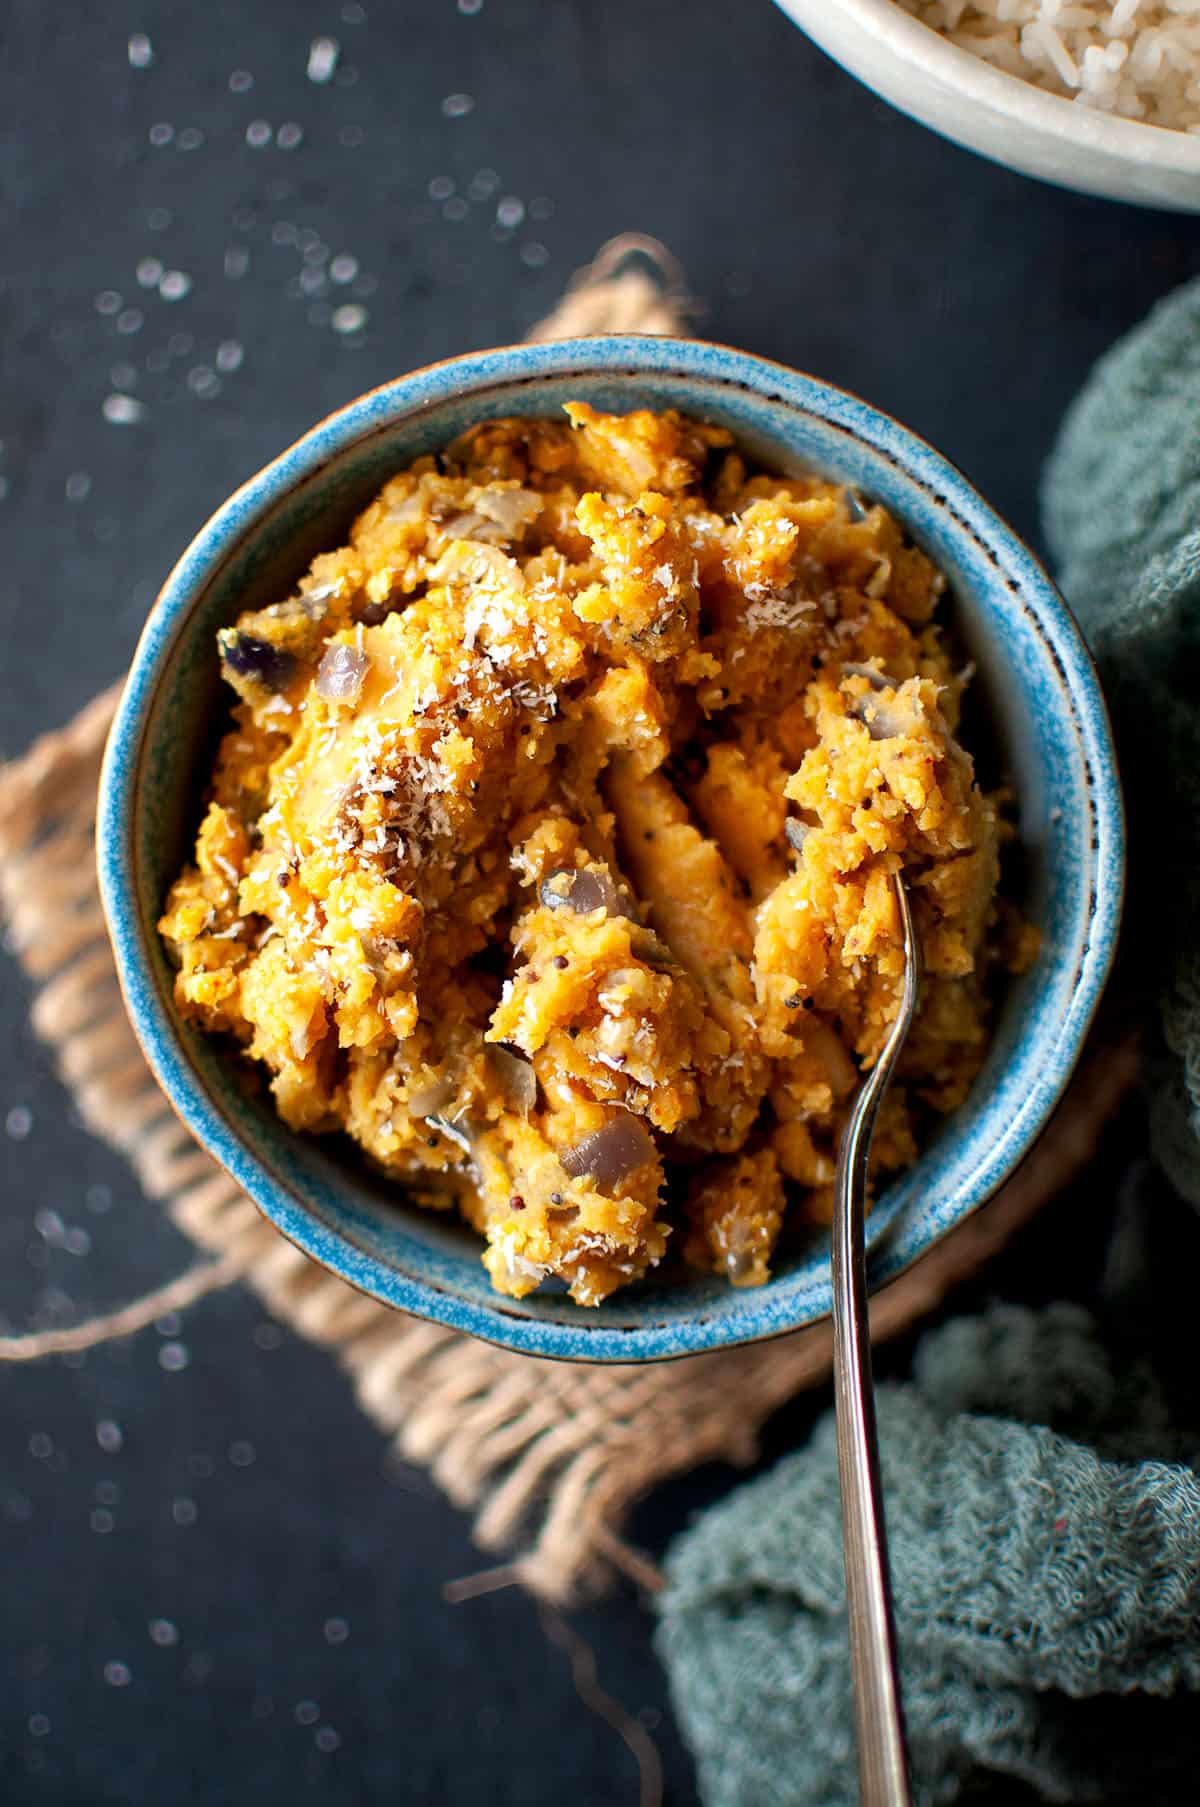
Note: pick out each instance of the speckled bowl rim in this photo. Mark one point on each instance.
(759, 1313)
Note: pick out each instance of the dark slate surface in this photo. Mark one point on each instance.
(202, 1613)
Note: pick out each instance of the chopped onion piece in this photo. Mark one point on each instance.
(376, 949)
(882, 720)
(341, 674)
(427, 1099)
(511, 509)
(581, 891)
(610, 1153)
(877, 679)
(497, 516)
(517, 1078)
(408, 508)
(470, 525)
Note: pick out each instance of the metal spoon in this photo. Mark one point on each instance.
(878, 1714)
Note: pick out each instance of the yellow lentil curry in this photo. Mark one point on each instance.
(550, 854)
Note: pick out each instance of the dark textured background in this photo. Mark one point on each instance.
(250, 1506)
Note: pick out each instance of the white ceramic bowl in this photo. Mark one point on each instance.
(1002, 117)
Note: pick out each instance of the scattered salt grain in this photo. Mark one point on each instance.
(184, 1511)
(163, 1633)
(38, 1725)
(230, 354)
(241, 81)
(130, 320)
(457, 106)
(322, 59)
(241, 1454)
(483, 185)
(173, 1357)
(109, 1436)
(349, 318)
(77, 1241)
(470, 7)
(122, 410)
(77, 486)
(455, 209)
(101, 1521)
(306, 1712)
(175, 285)
(441, 188)
(108, 302)
(118, 1675)
(336, 1631)
(510, 211)
(204, 382)
(325, 1738)
(289, 135)
(258, 134)
(18, 1122)
(534, 254)
(140, 51)
(161, 134)
(343, 268)
(190, 139)
(149, 272)
(41, 1445)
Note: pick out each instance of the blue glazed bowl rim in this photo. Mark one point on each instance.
(758, 1313)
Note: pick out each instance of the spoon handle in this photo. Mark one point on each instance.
(879, 1720)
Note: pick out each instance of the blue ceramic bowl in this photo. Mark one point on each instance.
(1047, 720)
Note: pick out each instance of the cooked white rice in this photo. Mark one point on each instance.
(1140, 58)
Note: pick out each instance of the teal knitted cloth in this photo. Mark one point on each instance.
(1047, 1587)
(1044, 1516)
(1122, 510)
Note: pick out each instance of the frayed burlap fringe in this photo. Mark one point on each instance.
(549, 1456)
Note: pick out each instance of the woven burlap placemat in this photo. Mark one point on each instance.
(549, 1455)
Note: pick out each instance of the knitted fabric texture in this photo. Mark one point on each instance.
(1047, 1587)
(1122, 512)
